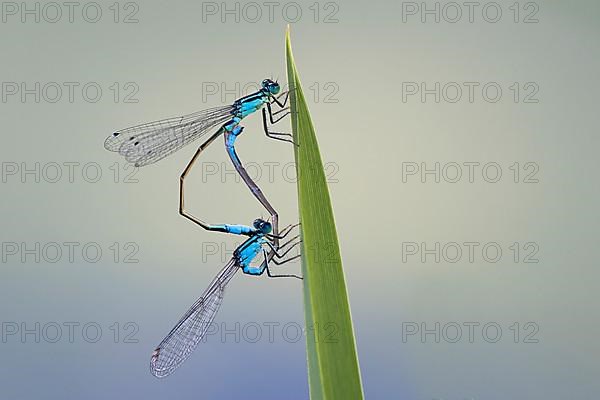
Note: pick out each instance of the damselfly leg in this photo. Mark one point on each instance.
(297, 256)
(185, 172)
(275, 135)
(270, 275)
(284, 232)
(285, 100)
(269, 110)
(281, 255)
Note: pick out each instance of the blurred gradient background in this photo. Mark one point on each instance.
(360, 64)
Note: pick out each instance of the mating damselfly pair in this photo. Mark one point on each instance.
(148, 143)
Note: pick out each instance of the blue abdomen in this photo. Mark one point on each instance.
(238, 229)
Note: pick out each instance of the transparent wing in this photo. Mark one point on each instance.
(191, 328)
(147, 143)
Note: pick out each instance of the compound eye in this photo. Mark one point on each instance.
(265, 83)
(266, 227)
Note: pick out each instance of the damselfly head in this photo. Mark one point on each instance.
(262, 225)
(270, 85)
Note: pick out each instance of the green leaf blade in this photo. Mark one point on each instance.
(333, 368)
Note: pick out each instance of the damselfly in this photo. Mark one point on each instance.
(191, 328)
(148, 143)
